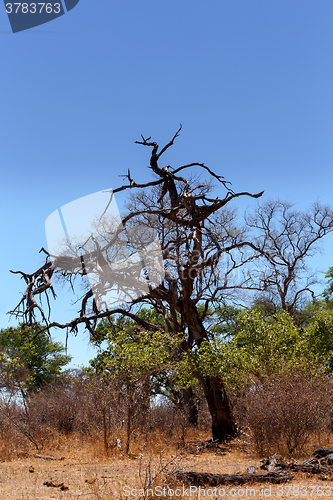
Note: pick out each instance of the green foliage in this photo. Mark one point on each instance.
(28, 362)
(106, 329)
(243, 346)
(136, 354)
(320, 338)
(141, 353)
(258, 344)
(271, 341)
(263, 345)
(216, 358)
(328, 292)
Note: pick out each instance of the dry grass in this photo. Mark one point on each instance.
(90, 474)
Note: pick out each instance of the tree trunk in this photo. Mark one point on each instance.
(223, 427)
(184, 401)
(190, 407)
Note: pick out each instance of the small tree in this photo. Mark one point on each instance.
(29, 361)
(134, 359)
(152, 355)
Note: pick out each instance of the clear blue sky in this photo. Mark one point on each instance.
(250, 80)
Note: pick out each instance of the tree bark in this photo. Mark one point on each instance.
(223, 426)
(190, 406)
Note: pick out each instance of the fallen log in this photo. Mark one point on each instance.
(48, 457)
(310, 466)
(322, 452)
(310, 469)
(207, 478)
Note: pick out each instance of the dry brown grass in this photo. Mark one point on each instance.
(90, 474)
(95, 465)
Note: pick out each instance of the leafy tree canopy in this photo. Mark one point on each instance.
(263, 345)
(29, 361)
(259, 345)
(134, 354)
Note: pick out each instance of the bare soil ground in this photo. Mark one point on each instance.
(123, 477)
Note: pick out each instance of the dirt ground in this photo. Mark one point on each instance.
(126, 478)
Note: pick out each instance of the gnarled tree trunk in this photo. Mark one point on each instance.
(223, 426)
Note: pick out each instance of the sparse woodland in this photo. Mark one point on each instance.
(232, 346)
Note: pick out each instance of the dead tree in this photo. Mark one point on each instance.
(203, 254)
(285, 238)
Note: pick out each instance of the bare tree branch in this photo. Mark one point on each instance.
(286, 238)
